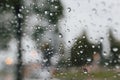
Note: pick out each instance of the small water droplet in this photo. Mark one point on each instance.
(83, 36)
(46, 12)
(69, 41)
(79, 46)
(89, 59)
(38, 39)
(45, 60)
(81, 52)
(60, 35)
(117, 67)
(51, 14)
(106, 63)
(28, 46)
(103, 3)
(68, 30)
(56, 7)
(50, 40)
(69, 9)
(93, 46)
(20, 16)
(85, 71)
(94, 10)
(7, 5)
(109, 19)
(101, 39)
(78, 53)
(115, 31)
(27, 11)
(105, 53)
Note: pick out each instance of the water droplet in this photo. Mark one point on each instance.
(81, 52)
(93, 46)
(103, 3)
(56, 7)
(46, 12)
(101, 39)
(27, 11)
(38, 39)
(7, 5)
(105, 53)
(45, 60)
(68, 30)
(69, 9)
(106, 63)
(79, 46)
(109, 19)
(94, 10)
(85, 71)
(89, 59)
(51, 14)
(83, 36)
(119, 56)
(117, 67)
(27, 46)
(69, 41)
(50, 40)
(115, 31)
(115, 49)
(20, 16)
(60, 35)
(78, 53)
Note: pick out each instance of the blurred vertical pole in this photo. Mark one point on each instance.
(19, 74)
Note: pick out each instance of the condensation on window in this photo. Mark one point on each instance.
(59, 40)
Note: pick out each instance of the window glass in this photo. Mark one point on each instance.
(59, 40)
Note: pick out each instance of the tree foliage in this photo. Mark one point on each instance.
(50, 10)
(82, 51)
(114, 50)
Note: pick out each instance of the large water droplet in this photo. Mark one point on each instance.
(69, 9)
(60, 35)
(115, 49)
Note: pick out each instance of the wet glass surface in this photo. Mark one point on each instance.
(59, 40)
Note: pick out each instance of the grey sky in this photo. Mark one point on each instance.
(94, 16)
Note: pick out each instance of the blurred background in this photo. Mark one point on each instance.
(59, 40)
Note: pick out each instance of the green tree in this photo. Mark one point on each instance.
(51, 10)
(114, 50)
(82, 51)
(16, 4)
